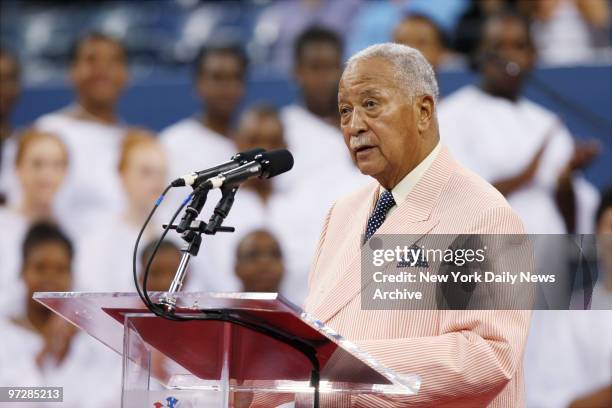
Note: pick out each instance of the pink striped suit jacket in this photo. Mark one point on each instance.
(464, 358)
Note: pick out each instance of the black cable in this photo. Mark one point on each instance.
(143, 294)
(158, 310)
(142, 229)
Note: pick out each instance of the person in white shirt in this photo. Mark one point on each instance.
(40, 166)
(520, 147)
(105, 259)
(312, 125)
(258, 203)
(40, 348)
(323, 170)
(91, 128)
(10, 88)
(285, 211)
(259, 262)
(198, 142)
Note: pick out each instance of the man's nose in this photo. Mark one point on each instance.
(357, 124)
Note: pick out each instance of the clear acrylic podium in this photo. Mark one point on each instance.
(207, 363)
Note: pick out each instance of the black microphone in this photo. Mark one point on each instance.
(265, 165)
(193, 179)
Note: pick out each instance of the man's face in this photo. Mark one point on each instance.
(317, 72)
(99, 72)
(220, 83)
(507, 54)
(47, 268)
(378, 121)
(259, 263)
(421, 34)
(260, 131)
(9, 84)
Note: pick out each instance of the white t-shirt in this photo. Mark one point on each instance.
(104, 261)
(191, 147)
(568, 355)
(90, 373)
(8, 180)
(319, 152)
(13, 228)
(323, 172)
(498, 138)
(92, 187)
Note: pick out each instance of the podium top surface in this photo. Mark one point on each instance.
(197, 347)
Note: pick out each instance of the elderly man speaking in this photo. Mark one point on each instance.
(387, 102)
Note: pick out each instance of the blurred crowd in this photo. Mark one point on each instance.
(77, 184)
(162, 35)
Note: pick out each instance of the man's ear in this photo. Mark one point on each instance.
(425, 112)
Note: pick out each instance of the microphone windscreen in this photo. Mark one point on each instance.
(276, 162)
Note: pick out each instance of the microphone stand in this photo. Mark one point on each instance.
(191, 231)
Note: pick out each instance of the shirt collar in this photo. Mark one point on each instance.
(401, 190)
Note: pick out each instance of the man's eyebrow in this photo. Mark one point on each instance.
(365, 92)
(370, 92)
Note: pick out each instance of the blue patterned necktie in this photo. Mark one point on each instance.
(384, 204)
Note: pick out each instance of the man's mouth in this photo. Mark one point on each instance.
(363, 150)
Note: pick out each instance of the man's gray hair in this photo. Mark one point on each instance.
(415, 74)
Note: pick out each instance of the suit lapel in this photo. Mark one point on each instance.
(412, 217)
(351, 284)
(351, 251)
